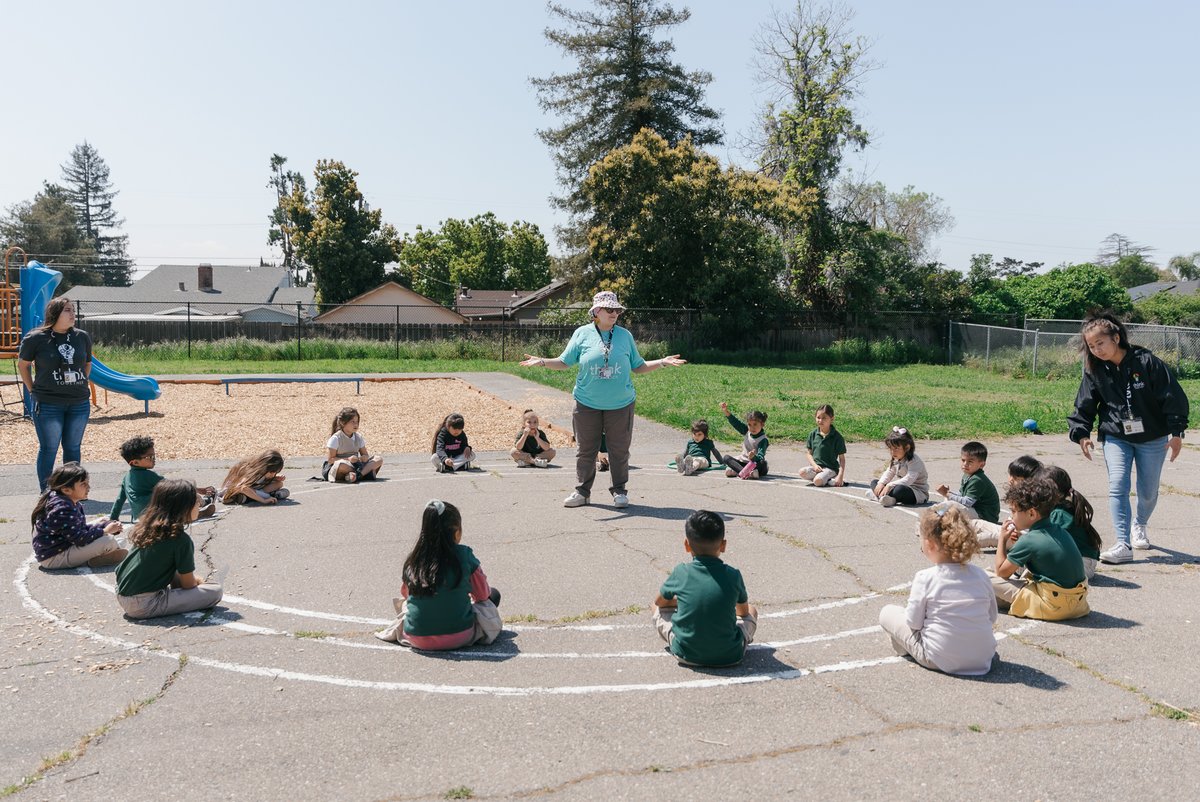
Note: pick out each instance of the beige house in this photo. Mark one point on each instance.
(391, 303)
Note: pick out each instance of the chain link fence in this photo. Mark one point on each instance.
(1051, 348)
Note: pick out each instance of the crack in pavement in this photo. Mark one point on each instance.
(800, 543)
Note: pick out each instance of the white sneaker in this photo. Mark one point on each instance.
(1140, 538)
(681, 464)
(621, 501)
(887, 501)
(1118, 553)
(540, 463)
(575, 500)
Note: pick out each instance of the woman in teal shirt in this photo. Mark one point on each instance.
(604, 397)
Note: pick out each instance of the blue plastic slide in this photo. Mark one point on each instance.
(37, 288)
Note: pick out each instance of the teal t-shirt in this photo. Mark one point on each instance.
(1066, 520)
(1050, 554)
(136, 487)
(603, 383)
(448, 610)
(152, 568)
(705, 623)
(826, 448)
(987, 499)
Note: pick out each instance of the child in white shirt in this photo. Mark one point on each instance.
(947, 625)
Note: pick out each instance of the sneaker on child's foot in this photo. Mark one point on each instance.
(1118, 553)
(681, 464)
(494, 597)
(108, 558)
(1140, 537)
(887, 501)
(282, 493)
(540, 463)
(576, 499)
(620, 501)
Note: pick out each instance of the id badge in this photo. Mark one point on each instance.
(1133, 426)
(605, 372)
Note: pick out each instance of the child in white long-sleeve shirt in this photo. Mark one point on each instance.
(947, 625)
(905, 481)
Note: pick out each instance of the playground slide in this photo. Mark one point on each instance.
(37, 288)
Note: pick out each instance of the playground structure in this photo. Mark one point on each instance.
(22, 308)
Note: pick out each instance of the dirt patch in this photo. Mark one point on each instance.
(199, 421)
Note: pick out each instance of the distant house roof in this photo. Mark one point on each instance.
(495, 303)
(1143, 291)
(169, 287)
(389, 303)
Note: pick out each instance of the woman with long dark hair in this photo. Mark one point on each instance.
(55, 361)
(1143, 413)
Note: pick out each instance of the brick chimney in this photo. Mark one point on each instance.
(204, 278)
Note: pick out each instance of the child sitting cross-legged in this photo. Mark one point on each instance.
(1056, 588)
(62, 537)
(140, 481)
(826, 452)
(699, 452)
(947, 625)
(752, 464)
(702, 610)
(531, 448)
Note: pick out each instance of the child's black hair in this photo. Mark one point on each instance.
(1106, 323)
(346, 415)
(903, 439)
(454, 419)
(704, 530)
(700, 425)
(975, 449)
(1074, 502)
(433, 562)
(1038, 493)
(825, 408)
(758, 415)
(136, 447)
(67, 475)
(1024, 467)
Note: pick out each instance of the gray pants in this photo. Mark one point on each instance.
(76, 556)
(892, 618)
(617, 427)
(170, 601)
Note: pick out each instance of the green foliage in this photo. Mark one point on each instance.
(286, 183)
(482, 253)
(346, 242)
(1069, 292)
(1133, 270)
(916, 217)
(1186, 267)
(47, 230)
(1168, 309)
(670, 228)
(624, 80)
(88, 190)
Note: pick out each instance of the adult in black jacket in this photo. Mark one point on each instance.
(1143, 413)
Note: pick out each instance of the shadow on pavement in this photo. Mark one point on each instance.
(1172, 557)
(1108, 581)
(1098, 620)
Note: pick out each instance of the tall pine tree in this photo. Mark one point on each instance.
(89, 191)
(285, 183)
(624, 81)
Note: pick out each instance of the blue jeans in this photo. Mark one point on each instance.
(57, 424)
(1121, 458)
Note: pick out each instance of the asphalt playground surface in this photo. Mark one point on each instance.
(281, 692)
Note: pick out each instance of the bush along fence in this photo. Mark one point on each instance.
(499, 334)
(1051, 348)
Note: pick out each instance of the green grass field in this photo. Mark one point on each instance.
(934, 401)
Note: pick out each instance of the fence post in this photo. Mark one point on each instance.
(298, 325)
(1035, 345)
(189, 328)
(503, 333)
(987, 355)
(950, 342)
(397, 334)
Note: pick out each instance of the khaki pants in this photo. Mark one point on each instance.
(525, 458)
(616, 425)
(893, 620)
(1006, 590)
(170, 601)
(748, 624)
(76, 556)
(987, 533)
(818, 476)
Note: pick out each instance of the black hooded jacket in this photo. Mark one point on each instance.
(1142, 386)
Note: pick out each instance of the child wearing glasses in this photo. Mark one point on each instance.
(905, 481)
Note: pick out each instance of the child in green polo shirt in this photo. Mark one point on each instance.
(699, 453)
(826, 452)
(702, 610)
(138, 484)
(976, 495)
(1074, 513)
(1055, 587)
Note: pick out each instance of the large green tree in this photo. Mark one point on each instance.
(813, 65)
(1186, 267)
(47, 230)
(345, 242)
(481, 253)
(671, 228)
(286, 183)
(1133, 270)
(1069, 292)
(624, 80)
(88, 189)
(915, 217)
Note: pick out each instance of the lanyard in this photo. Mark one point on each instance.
(605, 346)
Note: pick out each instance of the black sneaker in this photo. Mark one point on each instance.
(494, 597)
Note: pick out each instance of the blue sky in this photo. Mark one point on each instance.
(1044, 126)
